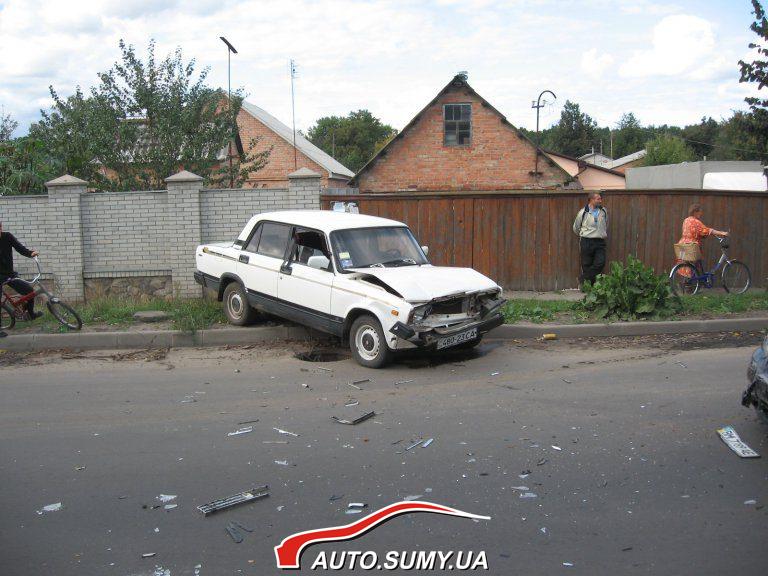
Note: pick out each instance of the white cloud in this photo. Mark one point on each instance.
(680, 45)
(389, 56)
(595, 65)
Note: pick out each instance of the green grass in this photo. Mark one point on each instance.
(187, 315)
(569, 312)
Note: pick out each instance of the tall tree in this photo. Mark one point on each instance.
(25, 166)
(351, 139)
(629, 136)
(701, 138)
(7, 126)
(144, 120)
(755, 126)
(574, 133)
(667, 149)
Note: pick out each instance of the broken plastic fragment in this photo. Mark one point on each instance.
(750, 502)
(240, 431)
(357, 420)
(170, 506)
(427, 442)
(556, 448)
(148, 555)
(282, 462)
(50, 508)
(520, 488)
(414, 445)
(234, 500)
(413, 497)
(281, 431)
(166, 497)
(528, 495)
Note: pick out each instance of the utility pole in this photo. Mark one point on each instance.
(538, 105)
(230, 50)
(293, 113)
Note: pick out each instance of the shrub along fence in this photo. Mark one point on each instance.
(524, 239)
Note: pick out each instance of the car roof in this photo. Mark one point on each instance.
(326, 220)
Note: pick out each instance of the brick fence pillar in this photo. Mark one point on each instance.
(64, 257)
(304, 189)
(184, 231)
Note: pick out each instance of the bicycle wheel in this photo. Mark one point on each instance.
(7, 317)
(684, 279)
(65, 314)
(736, 277)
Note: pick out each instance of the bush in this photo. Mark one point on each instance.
(629, 292)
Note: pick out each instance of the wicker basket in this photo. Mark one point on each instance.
(688, 252)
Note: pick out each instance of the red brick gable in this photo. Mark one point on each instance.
(281, 160)
(498, 158)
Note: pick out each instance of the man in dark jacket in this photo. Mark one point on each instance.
(8, 244)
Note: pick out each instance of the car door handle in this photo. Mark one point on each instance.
(244, 258)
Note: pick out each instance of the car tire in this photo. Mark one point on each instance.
(368, 343)
(236, 307)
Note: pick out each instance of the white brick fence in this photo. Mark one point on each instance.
(131, 243)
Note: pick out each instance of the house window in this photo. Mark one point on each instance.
(457, 123)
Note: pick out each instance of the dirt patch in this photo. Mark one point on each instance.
(692, 341)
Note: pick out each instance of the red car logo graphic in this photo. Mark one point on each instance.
(290, 549)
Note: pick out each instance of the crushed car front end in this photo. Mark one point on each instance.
(452, 320)
(756, 393)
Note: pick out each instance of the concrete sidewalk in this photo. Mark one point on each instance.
(254, 335)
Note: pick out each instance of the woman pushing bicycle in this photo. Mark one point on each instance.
(9, 243)
(694, 231)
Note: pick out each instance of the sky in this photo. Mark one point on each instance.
(668, 62)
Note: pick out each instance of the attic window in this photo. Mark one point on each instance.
(457, 124)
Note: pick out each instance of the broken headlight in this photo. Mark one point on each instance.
(421, 312)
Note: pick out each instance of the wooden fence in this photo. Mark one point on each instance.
(524, 239)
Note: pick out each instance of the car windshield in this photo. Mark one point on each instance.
(376, 247)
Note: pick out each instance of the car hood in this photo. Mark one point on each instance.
(424, 283)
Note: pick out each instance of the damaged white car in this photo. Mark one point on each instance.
(362, 278)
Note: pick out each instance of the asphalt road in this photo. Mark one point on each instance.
(641, 483)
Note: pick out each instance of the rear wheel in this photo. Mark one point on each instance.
(684, 279)
(367, 342)
(236, 306)
(7, 317)
(736, 277)
(65, 314)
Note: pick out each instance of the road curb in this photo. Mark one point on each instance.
(260, 334)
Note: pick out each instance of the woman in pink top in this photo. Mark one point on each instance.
(694, 230)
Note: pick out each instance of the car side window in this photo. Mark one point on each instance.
(308, 243)
(253, 243)
(274, 239)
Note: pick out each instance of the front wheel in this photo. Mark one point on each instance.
(684, 279)
(7, 317)
(65, 314)
(236, 307)
(367, 342)
(736, 277)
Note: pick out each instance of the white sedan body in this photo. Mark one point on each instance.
(275, 258)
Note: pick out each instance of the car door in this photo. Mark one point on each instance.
(260, 260)
(305, 288)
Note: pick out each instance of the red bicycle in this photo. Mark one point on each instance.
(14, 308)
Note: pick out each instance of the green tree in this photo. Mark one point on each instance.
(351, 139)
(744, 136)
(667, 149)
(629, 136)
(145, 120)
(757, 70)
(7, 126)
(574, 133)
(25, 166)
(701, 138)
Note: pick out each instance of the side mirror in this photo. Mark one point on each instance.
(319, 262)
(425, 249)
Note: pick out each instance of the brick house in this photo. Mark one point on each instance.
(253, 122)
(458, 142)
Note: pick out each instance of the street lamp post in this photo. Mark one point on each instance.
(538, 105)
(230, 50)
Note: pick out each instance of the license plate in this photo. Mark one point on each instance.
(732, 440)
(455, 339)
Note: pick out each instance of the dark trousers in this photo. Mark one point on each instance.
(22, 288)
(592, 258)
